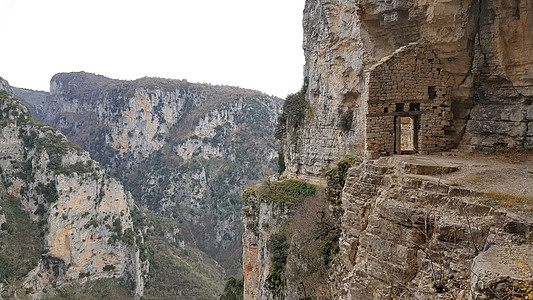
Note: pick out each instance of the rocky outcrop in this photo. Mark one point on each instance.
(416, 236)
(184, 150)
(408, 228)
(84, 214)
(290, 241)
(4, 86)
(261, 220)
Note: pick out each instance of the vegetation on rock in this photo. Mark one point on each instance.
(279, 250)
(346, 120)
(304, 248)
(36, 162)
(288, 192)
(337, 177)
(21, 240)
(293, 115)
(99, 289)
(234, 289)
(177, 270)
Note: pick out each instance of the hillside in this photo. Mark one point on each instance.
(64, 221)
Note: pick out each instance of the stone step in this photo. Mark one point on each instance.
(376, 169)
(362, 190)
(371, 178)
(424, 167)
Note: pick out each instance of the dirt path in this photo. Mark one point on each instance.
(511, 173)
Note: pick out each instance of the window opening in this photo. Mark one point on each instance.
(432, 92)
(399, 107)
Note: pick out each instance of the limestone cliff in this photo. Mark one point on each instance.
(407, 231)
(290, 241)
(83, 214)
(482, 45)
(184, 150)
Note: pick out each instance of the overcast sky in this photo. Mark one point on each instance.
(247, 43)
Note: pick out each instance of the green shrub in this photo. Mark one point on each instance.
(342, 167)
(346, 120)
(281, 161)
(41, 210)
(49, 191)
(108, 268)
(129, 237)
(21, 247)
(293, 114)
(234, 289)
(79, 168)
(289, 192)
(278, 247)
(117, 227)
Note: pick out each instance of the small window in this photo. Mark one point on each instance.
(432, 92)
(386, 110)
(399, 107)
(414, 106)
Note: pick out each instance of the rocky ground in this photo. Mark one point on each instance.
(510, 173)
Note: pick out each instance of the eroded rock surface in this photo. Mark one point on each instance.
(416, 236)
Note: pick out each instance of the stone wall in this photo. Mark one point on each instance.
(410, 83)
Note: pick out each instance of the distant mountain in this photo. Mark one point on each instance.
(35, 100)
(184, 150)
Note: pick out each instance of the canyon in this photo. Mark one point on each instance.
(405, 169)
(185, 151)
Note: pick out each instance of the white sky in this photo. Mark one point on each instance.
(253, 44)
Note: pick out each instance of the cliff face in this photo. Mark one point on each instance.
(412, 77)
(419, 227)
(407, 232)
(83, 214)
(479, 43)
(184, 150)
(35, 100)
(503, 85)
(290, 241)
(256, 257)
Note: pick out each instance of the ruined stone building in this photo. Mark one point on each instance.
(408, 103)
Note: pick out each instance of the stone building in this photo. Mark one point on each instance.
(408, 103)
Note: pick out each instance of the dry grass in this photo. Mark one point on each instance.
(495, 198)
